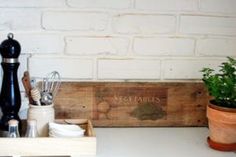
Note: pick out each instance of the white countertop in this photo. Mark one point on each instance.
(155, 142)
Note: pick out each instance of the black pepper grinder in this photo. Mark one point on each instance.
(10, 98)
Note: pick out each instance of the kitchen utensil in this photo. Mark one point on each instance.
(27, 85)
(46, 98)
(50, 87)
(10, 97)
(33, 83)
(36, 96)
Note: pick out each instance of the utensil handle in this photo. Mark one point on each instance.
(27, 85)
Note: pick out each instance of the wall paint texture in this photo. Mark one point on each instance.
(123, 40)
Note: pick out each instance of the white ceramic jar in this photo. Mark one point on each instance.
(43, 115)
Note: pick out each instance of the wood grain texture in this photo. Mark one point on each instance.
(44, 146)
(121, 104)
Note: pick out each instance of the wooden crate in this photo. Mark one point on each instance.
(133, 104)
(46, 146)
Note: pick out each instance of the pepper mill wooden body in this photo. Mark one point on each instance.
(10, 98)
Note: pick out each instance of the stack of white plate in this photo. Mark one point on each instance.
(65, 130)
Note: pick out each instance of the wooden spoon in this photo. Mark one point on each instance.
(36, 96)
(27, 85)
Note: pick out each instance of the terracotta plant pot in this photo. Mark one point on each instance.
(222, 128)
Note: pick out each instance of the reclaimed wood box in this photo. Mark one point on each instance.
(49, 146)
(134, 104)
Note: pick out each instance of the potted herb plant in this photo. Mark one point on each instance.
(221, 111)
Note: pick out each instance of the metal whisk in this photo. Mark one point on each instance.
(50, 87)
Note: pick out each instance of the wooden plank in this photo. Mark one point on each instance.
(45, 146)
(119, 104)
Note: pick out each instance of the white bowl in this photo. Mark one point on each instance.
(65, 130)
(71, 127)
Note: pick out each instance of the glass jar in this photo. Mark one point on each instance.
(13, 131)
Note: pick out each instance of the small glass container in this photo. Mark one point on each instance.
(31, 129)
(13, 131)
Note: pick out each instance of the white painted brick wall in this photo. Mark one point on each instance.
(68, 67)
(120, 4)
(186, 68)
(144, 24)
(208, 25)
(221, 6)
(97, 45)
(19, 19)
(32, 3)
(167, 5)
(120, 40)
(217, 47)
(164, 46)
(41, 43)
(128, 69)
(94, 21)
(123, 40)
